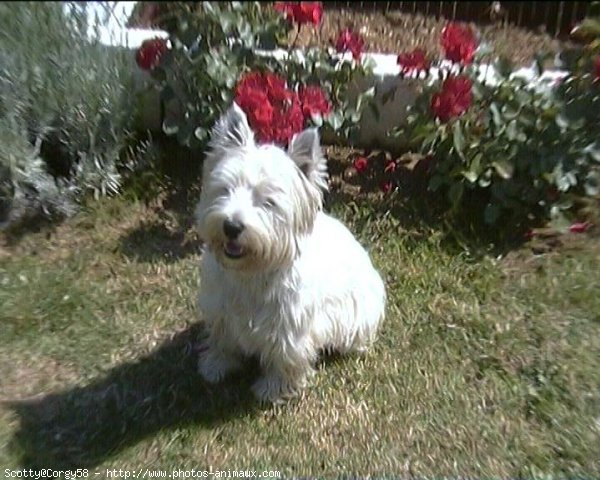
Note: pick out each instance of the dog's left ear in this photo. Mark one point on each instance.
(232, 130)
(305, 150)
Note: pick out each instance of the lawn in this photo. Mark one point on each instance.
(486, 365)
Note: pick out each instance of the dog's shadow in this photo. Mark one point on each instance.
(83, 426)
(155, 242)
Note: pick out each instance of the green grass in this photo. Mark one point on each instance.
(484, 367)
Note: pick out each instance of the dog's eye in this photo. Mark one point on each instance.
(225, 191)
(270, 203)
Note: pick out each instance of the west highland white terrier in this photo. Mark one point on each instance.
(280, 279)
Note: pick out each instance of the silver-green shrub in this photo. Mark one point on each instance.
(66, 108)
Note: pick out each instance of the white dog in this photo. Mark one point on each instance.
(280, 279)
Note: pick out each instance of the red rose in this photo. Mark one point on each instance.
(459, 43)
(314, 101)
(390, 167)
(287, 121)
(361, 164)
(414, 61)
(301, 12)
(454, 99)
(350, 41)
(580, 227)
(277, 88)
(148, 55)
(258, 107)
(597, 68)
(274, 112)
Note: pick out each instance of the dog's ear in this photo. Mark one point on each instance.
(232, 130)
(305, 150)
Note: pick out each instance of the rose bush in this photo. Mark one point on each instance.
(221, 51)
(524, 151)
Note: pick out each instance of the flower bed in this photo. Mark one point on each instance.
(373, 129)
(484, 125)
(392, 31)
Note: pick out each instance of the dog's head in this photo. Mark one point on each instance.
(258, 201)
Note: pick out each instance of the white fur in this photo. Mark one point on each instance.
(303, 283)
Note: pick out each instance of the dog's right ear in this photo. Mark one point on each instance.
(232, 130)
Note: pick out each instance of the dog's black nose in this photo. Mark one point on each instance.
(232, 228)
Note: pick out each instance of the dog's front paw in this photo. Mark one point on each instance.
(272, 388)
(214, 365)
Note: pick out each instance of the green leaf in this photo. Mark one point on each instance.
(509, 112)
(562, 121)
(369, 93)
(368, 63)
(458, 139)
(226, 96)
(523, 96)
(511, 130)
(317, 119)
(336, 120)
(504, 168)
(478, 90)
(591, 185)
(484, 181)
(564, 181)
(503, 66)
(470, 175)
(201, 134)
(593, 150)
(474, 169)
(170, 127)
(496, 115)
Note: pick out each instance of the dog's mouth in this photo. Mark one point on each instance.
(233, 249)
